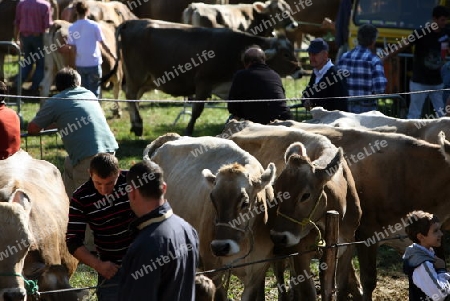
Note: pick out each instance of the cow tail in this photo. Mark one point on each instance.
(106, 77)
(157, 143)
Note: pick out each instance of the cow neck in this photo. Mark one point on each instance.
(154, 220)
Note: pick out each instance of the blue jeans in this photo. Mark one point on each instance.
(110, 291)
(418, 100)
(90, 78)
(32, 48)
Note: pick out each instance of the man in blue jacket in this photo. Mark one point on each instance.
(161, 262)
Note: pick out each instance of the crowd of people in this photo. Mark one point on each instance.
(132, 225)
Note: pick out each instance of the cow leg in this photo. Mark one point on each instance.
(278, 270)
(254, 283)
(301, 283)
(197, 109)
(2, 66)
(133, 107)
(115, 109)
(347, 281)
(367, 256)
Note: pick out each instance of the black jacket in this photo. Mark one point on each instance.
(332, 84)
(258, 82)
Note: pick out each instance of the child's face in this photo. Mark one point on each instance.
(433, 238)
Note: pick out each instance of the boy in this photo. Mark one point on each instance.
(205, 289)
(428, 279)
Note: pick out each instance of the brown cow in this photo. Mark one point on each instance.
(258, 18)
(426, 129)
(34, 209)
(315, 173)
(158, 64)
(224, 193)
(392, 173)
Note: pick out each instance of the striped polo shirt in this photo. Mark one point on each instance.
(108, 216)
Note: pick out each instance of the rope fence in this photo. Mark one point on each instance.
(38, 293)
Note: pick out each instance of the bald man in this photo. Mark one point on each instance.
(257, 81)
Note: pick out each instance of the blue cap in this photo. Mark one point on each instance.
(317, 45)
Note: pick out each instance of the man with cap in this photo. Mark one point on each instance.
(366, 71)
(327, 87)
(257, 81)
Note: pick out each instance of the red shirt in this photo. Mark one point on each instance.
(33, 16)
(9, 132)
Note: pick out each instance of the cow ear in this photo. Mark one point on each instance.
(267, 177)
(19, 196)
(295, 148)
(210, 178)
(260, 7)
(330, 170)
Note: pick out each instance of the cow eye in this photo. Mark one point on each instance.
(305, 197)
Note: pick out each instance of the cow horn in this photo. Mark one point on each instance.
(270, 53)
(330, 170)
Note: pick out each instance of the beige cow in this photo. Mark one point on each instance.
(34, 211)
(223, 192)
(426, 129)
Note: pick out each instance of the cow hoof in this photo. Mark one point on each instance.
(137, 130)
(117, 114)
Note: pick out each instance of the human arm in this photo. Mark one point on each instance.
(43, 119)
(379, 80)
(426, 278)
(108, 50)
(105, 268)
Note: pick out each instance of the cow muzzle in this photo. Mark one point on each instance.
(13, 295)
(283, 239)
(226, 247)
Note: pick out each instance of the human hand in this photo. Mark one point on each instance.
(107, 269)
(307, 104)
(439, 263)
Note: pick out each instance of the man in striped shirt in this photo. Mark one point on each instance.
(103, 204)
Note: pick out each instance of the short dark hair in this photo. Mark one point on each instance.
(81, 7)
(104, 165)
(419, 222)
(440, 11)
(147, 178)
(254, 54)
(67, 78)
(3, 90)
(367, 34)
(205, 289)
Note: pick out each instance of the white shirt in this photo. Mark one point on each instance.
(85, 35)
(320, 73)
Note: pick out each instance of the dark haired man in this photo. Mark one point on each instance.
(365, 70)
(9, 127)
(81, 124)
(161, 262)
(257, 81)
(102, 203)
(429, 56)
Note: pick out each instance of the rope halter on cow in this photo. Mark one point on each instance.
(308, 220)
(31, 286)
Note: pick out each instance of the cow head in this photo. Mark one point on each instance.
(239, 199)
(304, 181)
(15, 241)
(280, 57)
(281, 9)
